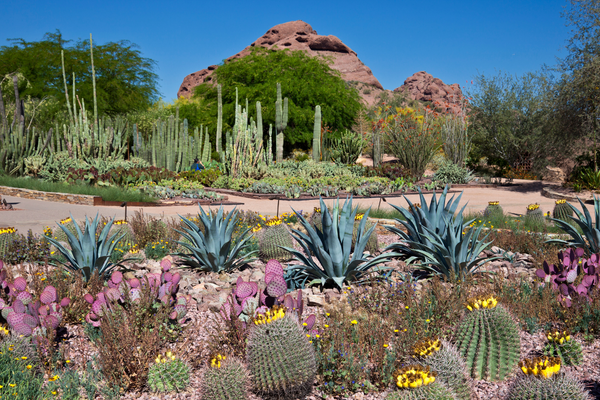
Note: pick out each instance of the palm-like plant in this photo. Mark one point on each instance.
(332, 246)
(214, 250)
(88, 255)
(590, 241)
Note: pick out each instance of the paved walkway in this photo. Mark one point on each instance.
(36, 214)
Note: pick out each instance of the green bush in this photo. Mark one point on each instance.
(206, 177)
(449, 172)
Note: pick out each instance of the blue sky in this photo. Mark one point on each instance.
(452, 40)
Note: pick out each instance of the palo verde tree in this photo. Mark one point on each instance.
(306, 81)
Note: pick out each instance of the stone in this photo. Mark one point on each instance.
(298, 35)
(315, 300)
(554, 174)
(424, 87)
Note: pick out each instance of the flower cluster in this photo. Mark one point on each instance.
(65, 221)
(274, 221)
(120, 222)
(493, 203)
(318, 210)
(561, 201)
(533, 207)
(558, 336)
(48, 231)
(7, 230)
(4, 331)
(359, 216)
(414, 376)
(270, 315)
(543, 367)
(166, 358)
(484, 301)
(215, 361)
(426, 347)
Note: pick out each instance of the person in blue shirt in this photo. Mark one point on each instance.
(197, 165)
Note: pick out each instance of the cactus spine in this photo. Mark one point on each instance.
(489, 340)
(281, 359)
(317, 135)
(562, 210)
(225, 379)
(281, 120)
(534, 213)
(271, 239)
(435, 391)
(168, 374)
(563, 386)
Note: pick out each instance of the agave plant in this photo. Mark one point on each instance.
(89, 255)
(332, 245)
(214, 250)
(590, 241)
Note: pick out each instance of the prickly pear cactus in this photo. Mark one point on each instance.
(270, 241)
(443, 358)
(225, 379)
(534, 213)
(168, 374)
(416, 382)
(280, 358)
(493, 208)
(562, 346)
(488, 339)
(562, 211)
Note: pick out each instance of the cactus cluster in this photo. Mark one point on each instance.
(164, 286)
(271, 240)
(562, 210)
(168, 374)
(443, 358)
(493, 208)
(225, 378)
(416, 382)
(25, 315)
(560, 345)
(488, 339)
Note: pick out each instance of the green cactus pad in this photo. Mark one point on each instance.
(270, 240)
(170, 376)
(451, 369)
(559, 387)
(570, 353)
(489, 341)
(434, 391)
(229, 382)
(281, 359)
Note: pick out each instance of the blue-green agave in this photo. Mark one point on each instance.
(590, 241)
(332, 247)
(214, 250)
(88, 254)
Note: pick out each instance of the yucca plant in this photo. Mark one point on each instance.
(214, 250)
(590, 241)
(332, 245)
(88, 255)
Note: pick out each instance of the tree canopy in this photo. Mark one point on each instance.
(306, 81)
(125, 80)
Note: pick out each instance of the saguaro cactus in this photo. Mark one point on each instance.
(317, 135)
(281, 120)
(219, 119)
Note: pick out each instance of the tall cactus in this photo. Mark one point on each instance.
(317, 135)
(206, 151)
(219, 120)
(281, 120)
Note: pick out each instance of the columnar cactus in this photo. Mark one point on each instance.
(415, 382)
(280, 357)
(317, 135)
(488, 338)
(225, 379)
(168, 374)
(281, 120)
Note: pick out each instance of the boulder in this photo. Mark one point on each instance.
(555, 174)
(424, 87)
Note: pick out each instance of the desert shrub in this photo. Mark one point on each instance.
(146, 228)
(448, 172)
(27, 249)
(206, 177)
(391, 171)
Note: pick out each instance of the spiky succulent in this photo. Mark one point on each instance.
(272, 240)
(563, 386)
(493, 209)
(225, 378)
(168, 373)
(561, 345)
(416, 382)
(534, 213)
(562, 211)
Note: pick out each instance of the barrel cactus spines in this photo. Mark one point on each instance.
(272, 238)
(168, 373)
(443, 358)
(562, 210)
(561, 345)
(534, 213)
(416, 382)
(280, 357)
(493, 209)
(542, 378)
(488, 339)
(225, 378)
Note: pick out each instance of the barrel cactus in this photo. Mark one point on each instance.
(562, 210)
(493, 209)
(488, 339)
(416, 382)
(443, 358)
(168, 374)
(272, 238)
(542, 379)
(280, 357)
(560, 345)
(534, 213)
(225, 378)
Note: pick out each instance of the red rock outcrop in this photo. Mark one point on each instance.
(297, 35)
(423, 86)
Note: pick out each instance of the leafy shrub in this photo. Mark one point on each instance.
(391, 171)
(449, 172)
(206, 177)
(25, 249)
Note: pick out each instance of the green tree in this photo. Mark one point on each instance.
(125, 80)
(306, 81)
